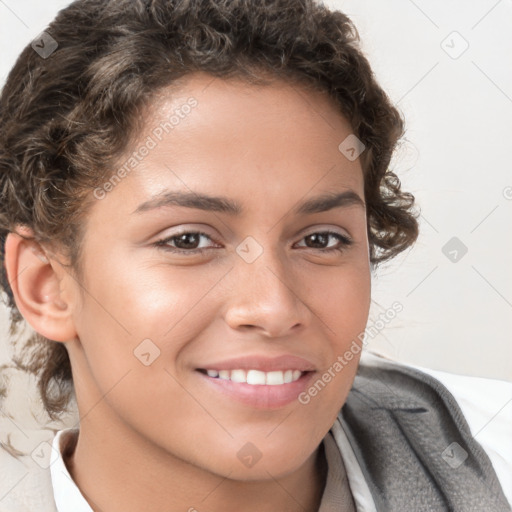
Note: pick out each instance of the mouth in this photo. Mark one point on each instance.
(259, 382)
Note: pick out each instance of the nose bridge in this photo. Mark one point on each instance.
(263, 266)
(264, 293)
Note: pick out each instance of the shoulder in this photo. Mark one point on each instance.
(485, 404)
(411, 428)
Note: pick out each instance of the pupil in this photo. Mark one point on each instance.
(187, 241)
(318, 240)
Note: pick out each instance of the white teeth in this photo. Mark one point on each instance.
(238, 376)
(275, 378)
(257, 377)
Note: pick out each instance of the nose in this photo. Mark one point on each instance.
(265, 297)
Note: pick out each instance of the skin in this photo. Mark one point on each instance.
(157, 437)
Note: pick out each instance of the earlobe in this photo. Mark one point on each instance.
(36, 280)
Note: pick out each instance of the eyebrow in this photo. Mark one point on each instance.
(327, 202)
(318, 204)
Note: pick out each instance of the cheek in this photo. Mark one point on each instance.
(148, 300)
(129, 316)
(346, 301)
(341, 301)
(340, 297)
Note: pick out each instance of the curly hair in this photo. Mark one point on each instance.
(65, 119)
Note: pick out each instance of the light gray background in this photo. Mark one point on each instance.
(456, 314)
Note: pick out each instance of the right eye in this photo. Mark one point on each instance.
(187, 242)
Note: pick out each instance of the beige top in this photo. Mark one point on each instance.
(337, 495)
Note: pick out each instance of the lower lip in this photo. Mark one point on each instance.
(261, 396)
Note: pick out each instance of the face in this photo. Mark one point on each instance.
(223, 275)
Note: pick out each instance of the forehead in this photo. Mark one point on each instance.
(234, 109)
(227, 137)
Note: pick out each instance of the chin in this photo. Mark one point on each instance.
(267, 461)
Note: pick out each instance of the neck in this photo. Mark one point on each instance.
(118, 470)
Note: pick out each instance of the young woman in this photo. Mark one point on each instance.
(194, 196)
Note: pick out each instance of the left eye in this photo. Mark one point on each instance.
(326, 241)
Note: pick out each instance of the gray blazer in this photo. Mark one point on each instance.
(414, 444)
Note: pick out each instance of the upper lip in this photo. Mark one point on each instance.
(262, 363)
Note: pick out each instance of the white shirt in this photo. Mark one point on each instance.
(65, 492)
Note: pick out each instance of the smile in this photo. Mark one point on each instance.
(257, 377)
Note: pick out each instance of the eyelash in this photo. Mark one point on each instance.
(164, 243)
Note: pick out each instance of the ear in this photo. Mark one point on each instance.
(38, 282)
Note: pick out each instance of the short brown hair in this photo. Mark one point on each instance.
(65, 119)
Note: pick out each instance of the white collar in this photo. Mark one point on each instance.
(66, 494)
(361, 494)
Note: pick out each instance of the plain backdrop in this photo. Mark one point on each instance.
(447, 67)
